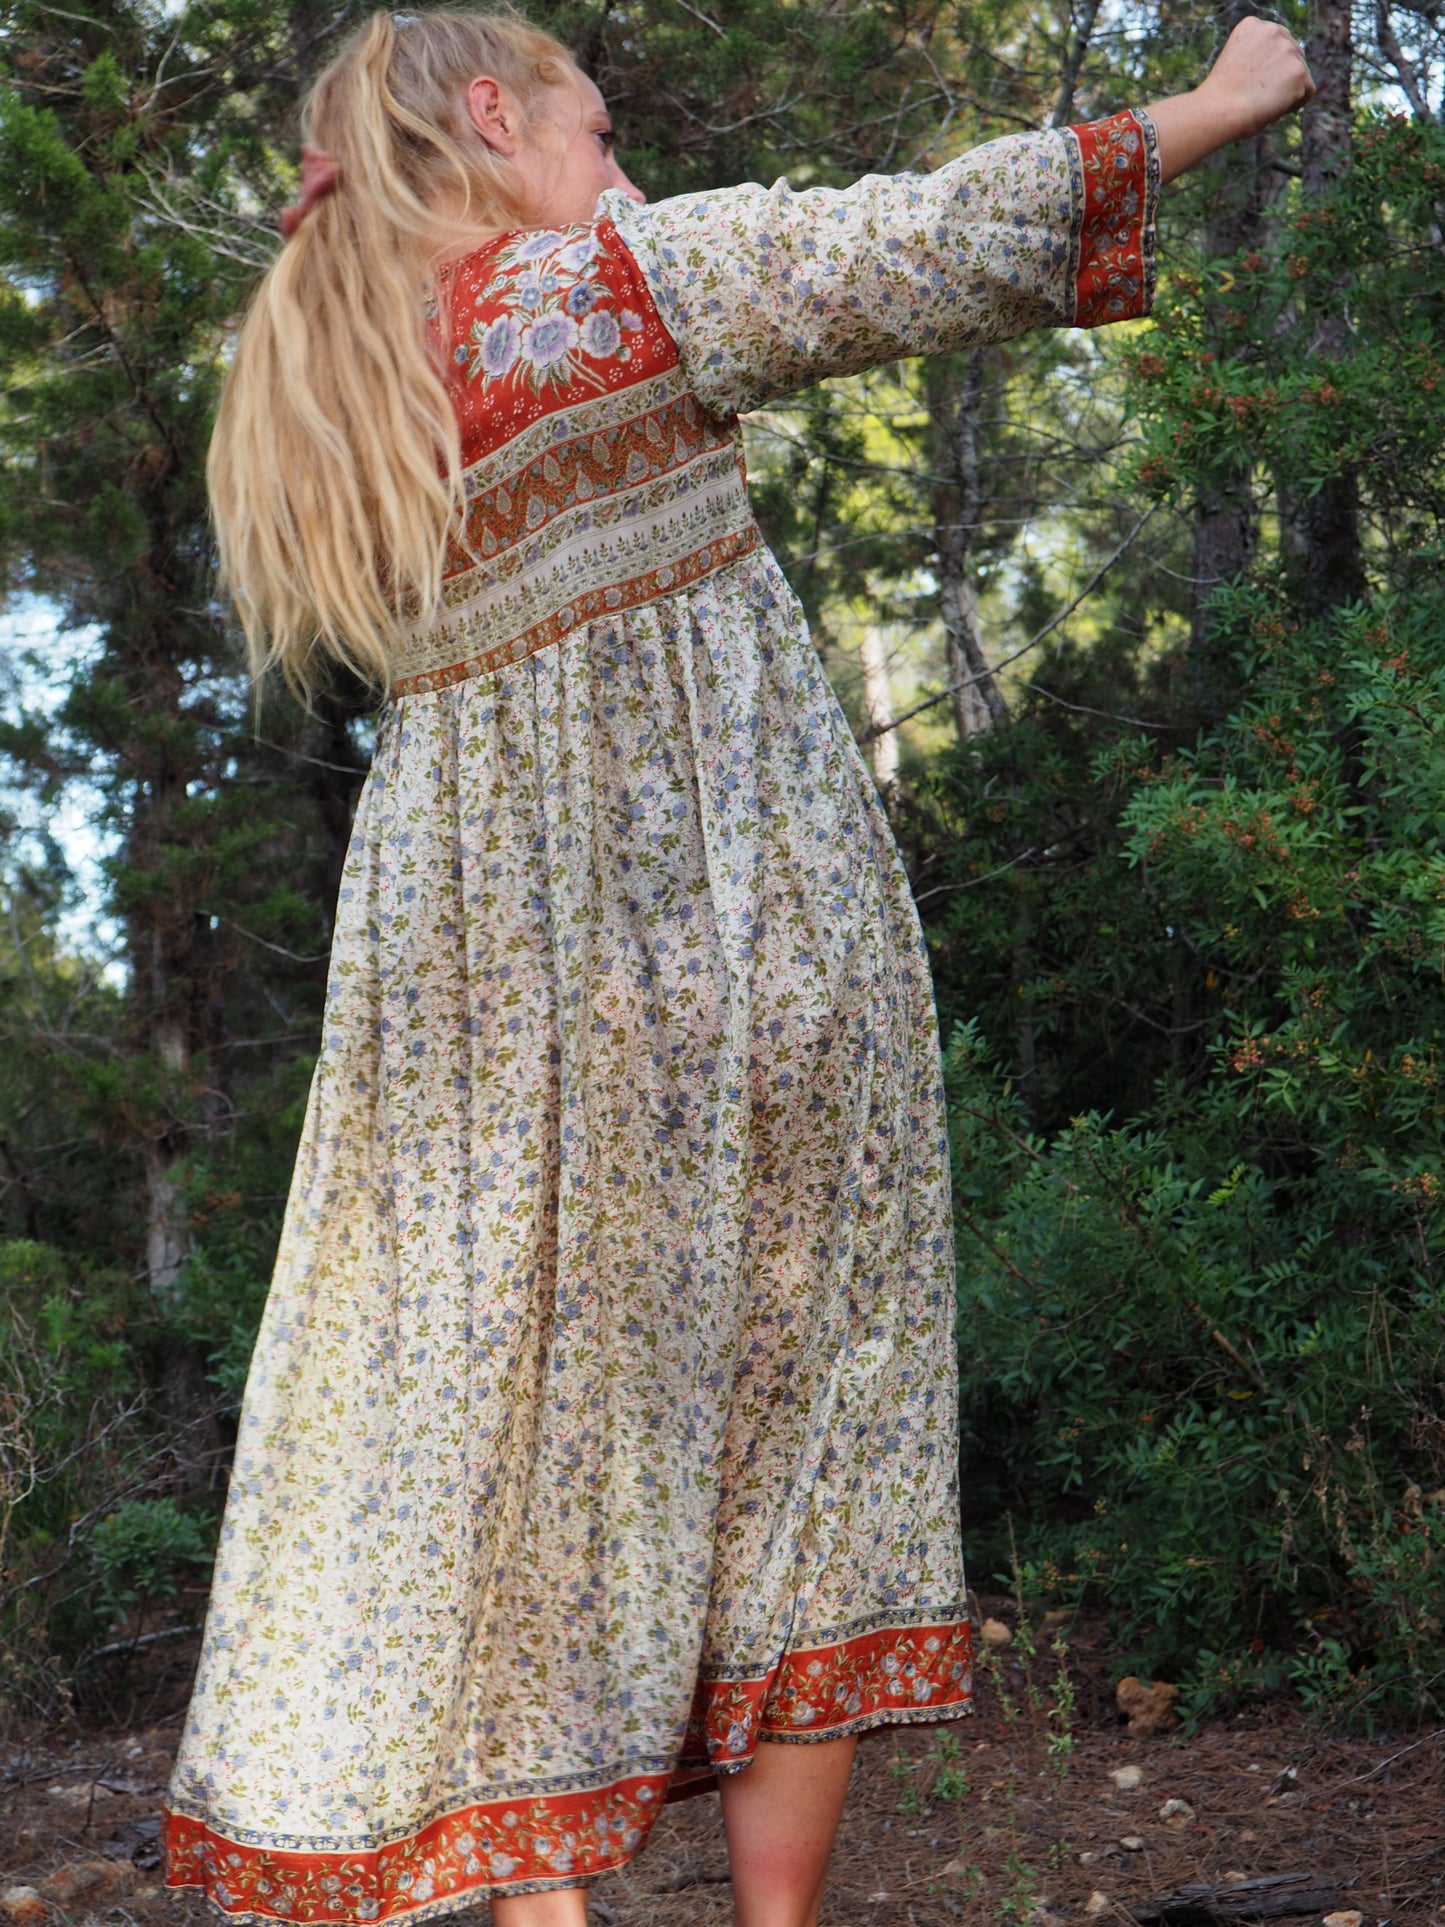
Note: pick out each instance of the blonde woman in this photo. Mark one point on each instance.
(600, 1443)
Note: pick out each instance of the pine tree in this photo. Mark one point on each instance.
(129, 143)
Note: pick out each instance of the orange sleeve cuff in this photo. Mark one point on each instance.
(1116, 190)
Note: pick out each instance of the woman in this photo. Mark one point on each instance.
(602, 1421)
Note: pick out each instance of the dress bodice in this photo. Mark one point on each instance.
(595, 480)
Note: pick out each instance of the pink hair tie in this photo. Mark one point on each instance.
(319, 175)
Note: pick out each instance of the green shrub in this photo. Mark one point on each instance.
(69, 1381)
(1203, 1353)
(1202, 1213)
(98, 1520)
(1206, 1379)
(138, 1554)
(218, 1306)
(115, 1416)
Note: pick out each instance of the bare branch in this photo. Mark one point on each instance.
(972, 883)
(279, 950)
(930, 702)
(1404, 68)
(237, 237)
(706, 19)
(1069, 78)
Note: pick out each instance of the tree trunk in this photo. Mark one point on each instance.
(171, 988)
(1334, 564)
(22, 1182)
(878, 707)
(164, 999)
(976, 701)
(167, 1227)
(1240, 189)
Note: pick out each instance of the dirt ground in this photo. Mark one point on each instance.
(976, 1823)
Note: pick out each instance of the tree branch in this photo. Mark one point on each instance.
(930, 702)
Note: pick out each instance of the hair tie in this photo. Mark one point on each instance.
(319, 175)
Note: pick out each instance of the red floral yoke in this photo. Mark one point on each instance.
(602, 1423)
(595, 482)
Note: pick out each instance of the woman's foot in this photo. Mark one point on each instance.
(781, 1813)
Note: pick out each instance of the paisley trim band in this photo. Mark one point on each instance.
(531, 1843)
(589, 606)
(609, 505)
(825, 1692)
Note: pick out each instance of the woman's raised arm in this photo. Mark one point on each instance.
(767, 290)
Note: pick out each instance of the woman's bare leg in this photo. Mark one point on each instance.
(565, 1909)
(781, 1813)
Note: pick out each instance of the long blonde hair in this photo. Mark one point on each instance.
(335, 464)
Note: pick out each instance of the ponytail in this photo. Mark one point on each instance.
(335, 466)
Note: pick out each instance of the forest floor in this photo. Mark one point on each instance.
(977, 1823)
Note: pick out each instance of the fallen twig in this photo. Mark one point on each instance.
(1271, 1896)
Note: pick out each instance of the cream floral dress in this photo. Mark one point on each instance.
(602, 1422)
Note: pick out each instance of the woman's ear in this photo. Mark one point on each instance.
(494, 115)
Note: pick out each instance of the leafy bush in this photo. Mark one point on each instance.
(1366, 254)
(1214, 1339)
(96, 1430)
(1212, 1408)
(70, 1440)
(69, 1381)
(1202, 1349)
(233, 1210)
(138, 1553)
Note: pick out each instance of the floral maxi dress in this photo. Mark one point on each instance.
(602, 1422)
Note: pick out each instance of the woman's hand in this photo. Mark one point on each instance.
(1259, 76)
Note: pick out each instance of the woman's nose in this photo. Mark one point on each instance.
(632, 192)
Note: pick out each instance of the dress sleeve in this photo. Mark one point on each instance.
(767, 290)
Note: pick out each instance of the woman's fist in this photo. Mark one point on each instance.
(1260, 74)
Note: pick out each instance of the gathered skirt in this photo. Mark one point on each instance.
(603, 1417)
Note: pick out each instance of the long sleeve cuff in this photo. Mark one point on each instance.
(1115, 163)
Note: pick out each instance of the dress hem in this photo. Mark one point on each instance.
(540, 1844)
(462, 1898)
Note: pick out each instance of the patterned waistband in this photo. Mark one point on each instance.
(591, 605)
(592, 511)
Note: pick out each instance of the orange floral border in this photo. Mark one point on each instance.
(828, 1691)
(1120, 166)
(889, 1676)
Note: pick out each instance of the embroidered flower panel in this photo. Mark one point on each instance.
(594, 480)
(541, 320)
